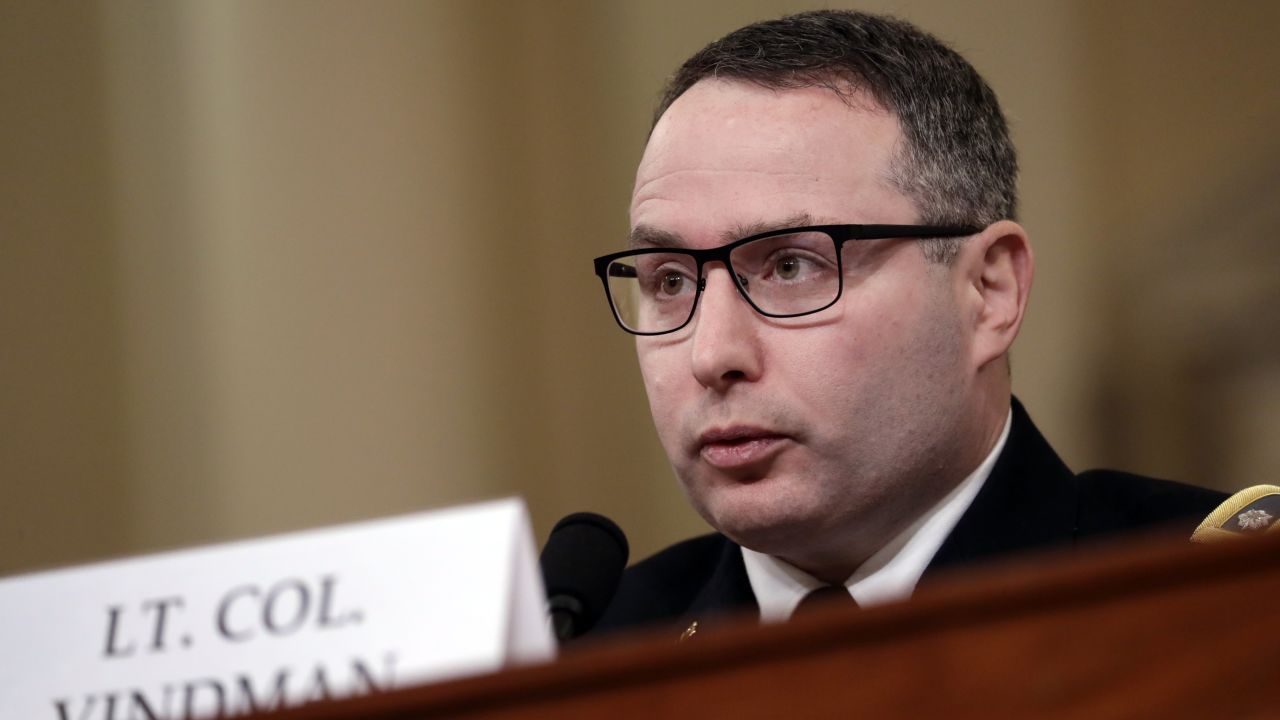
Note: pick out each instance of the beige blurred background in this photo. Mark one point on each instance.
(274, 265)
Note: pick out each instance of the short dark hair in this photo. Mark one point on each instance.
(958, 165)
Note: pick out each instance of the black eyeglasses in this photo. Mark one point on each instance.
(780, 273)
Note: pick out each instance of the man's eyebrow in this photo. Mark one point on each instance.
(649, 236)
(738, 232)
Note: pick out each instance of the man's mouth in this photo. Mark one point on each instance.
(736, 447)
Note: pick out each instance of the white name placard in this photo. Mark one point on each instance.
(226, 630)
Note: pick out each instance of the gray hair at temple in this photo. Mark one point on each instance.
(958, 165)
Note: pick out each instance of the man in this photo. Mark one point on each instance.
(825, 280)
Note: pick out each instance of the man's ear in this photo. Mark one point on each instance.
(997, 267)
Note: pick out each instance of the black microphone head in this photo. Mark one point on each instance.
(582, 564)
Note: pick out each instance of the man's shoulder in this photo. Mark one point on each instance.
(1112, 501)
(1033, 502)
(704, 571)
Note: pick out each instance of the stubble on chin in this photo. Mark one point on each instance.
(766, 512)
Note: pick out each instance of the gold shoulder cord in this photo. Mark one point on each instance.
(1211, 529)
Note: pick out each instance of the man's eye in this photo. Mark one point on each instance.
(673, 283)
(794, 266)
(787, 267)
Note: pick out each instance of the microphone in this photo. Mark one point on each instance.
(582, 565)
(1252, 511)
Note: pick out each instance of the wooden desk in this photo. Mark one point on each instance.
(1152, 629)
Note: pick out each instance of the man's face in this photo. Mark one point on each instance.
(807, 438)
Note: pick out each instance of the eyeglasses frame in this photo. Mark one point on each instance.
(840, 234)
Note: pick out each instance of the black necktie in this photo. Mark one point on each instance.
(824, 597)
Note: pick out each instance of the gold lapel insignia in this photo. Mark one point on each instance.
(689, 631)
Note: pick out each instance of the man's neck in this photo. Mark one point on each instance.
(889, 574)
(974, 448)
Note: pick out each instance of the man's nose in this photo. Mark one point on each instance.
(725, 338)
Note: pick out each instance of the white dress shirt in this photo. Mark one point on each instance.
(891, 573)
